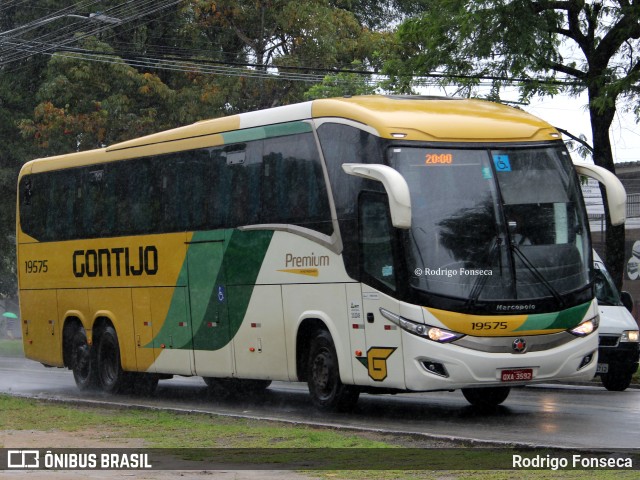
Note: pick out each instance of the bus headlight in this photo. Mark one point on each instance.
(630, 336)
(587, 327)
(435, 334)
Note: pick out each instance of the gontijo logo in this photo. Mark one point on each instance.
(119, 261)
(376, 362)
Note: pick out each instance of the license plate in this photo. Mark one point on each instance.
(602, 368)
(517, 375)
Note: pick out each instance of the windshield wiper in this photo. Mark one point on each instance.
(479, 284)
(536, 273)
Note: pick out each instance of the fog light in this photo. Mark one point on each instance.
(435, 368)
(586, 360)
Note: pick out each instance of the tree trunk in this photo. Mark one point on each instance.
(601, 120)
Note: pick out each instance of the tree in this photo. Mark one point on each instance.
(85, 105)
(340, 84)
(544, 47)
(284, 37)
(61, 102)
(17, 87)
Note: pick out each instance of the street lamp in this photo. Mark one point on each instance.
(100, 17)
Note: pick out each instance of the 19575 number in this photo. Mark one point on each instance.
(36, 266)
(489, 326)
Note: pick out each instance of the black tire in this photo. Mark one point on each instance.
(112, 378)
(616, 382)
(83, 361)
(328, 393)
(489, 397)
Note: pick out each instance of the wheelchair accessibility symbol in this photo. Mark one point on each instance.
(502, 163)
(220, 293)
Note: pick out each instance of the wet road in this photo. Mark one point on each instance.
(551, 415)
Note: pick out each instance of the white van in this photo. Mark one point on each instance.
(619, 348)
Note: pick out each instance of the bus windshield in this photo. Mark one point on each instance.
(494, 224)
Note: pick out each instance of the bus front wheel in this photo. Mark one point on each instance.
(112, 377)
(83, 363)
(486, 397)
(328, 393)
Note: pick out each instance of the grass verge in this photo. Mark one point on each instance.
(196, 431)
(11, 348)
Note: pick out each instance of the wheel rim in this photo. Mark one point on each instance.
(108, 364)
(322, 374)
(82, 361)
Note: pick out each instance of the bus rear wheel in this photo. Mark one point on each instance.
(83, 363)
(486, 397)
(112, 378)
(328, 393)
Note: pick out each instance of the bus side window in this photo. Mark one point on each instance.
(62, 191)
(241, 174)
(294, 187)
(376, 249)
(89, 201)
(32, 206)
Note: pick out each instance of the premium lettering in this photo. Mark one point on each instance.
(308, 261)
(118, 262)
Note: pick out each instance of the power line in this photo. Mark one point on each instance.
(61, 39)
(127, 12)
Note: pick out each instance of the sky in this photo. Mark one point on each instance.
(571, 114)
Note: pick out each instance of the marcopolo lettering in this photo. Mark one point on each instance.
(118, 262)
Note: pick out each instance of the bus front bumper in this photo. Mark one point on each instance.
(433, 366)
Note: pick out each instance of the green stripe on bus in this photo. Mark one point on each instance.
(224, 268)
(565, 319)
(258, 133)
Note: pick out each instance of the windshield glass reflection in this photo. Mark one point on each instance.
(494, 224)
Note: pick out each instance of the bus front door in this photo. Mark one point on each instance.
(383, 360)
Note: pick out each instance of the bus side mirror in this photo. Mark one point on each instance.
(394, 184)
(616, 194)
(627, 300)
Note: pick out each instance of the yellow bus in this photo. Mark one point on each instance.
(366, 244)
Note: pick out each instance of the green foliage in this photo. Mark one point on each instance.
(522, 42)
(464, 41)
(86, 105)
(63, 103)
(295, 37)
(342, 84)
(542, 47)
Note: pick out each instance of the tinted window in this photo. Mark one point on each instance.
(376, 239)
(278, 181)
(294, 190)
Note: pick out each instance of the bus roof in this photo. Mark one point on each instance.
(436, 119)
